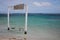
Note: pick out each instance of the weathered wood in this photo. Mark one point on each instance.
(18, 7)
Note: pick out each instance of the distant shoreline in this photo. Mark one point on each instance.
(30, 14)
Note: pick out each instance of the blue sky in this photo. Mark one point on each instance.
(35, 6)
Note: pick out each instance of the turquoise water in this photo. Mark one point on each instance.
(39, 26)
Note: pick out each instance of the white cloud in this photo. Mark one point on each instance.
(42, 4)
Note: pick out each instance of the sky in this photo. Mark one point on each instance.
(34, 6)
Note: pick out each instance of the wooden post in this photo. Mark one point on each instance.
(8, 20)
(26, 17)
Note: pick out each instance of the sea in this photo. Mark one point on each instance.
(40, 26)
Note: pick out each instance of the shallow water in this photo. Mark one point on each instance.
(40, 27)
